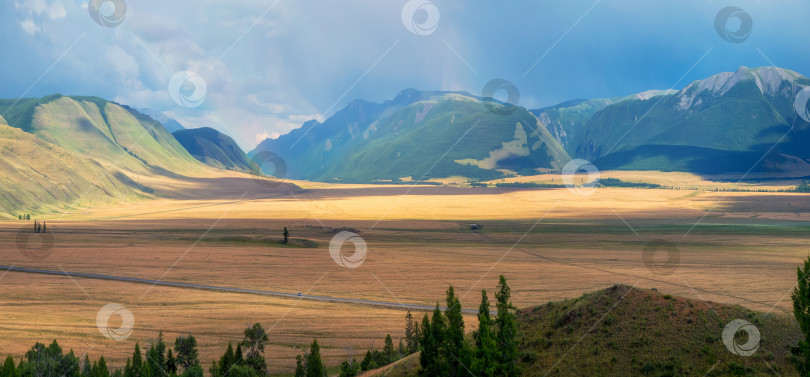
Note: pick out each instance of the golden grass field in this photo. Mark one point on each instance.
(550, 243)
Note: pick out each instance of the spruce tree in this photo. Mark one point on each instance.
(801, 310)
(237, 357)
(9, 369)
(137, 362)
(486, 349)
(456, 350)
(100, 369)
(86, 366)
(389, 354)
(300, 367)
(315, 367)
(411, 334)
(171, 363)
(506, 334)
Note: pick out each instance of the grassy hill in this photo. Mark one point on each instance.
(114, 135)
(36, 175)
(648, 333)
(215, 148)
(625, 331)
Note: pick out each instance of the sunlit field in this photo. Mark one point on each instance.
(735, 248)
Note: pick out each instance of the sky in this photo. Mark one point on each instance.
(260, 68)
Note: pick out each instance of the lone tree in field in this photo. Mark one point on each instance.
(801, 310)
(286, 235)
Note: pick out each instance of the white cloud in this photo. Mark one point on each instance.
(29, 26)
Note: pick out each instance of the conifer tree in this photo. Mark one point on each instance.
(801, 310)
(411, 334)
(486, 349)
(506, 334)
(315, 367)
(9, 369)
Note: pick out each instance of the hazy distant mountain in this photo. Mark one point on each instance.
(724, 123)
(215, 148)
(566, 121)
(170, 124)
(418, 135)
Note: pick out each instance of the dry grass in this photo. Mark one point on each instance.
(551, 244)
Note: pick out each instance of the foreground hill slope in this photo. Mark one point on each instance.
(419, 135)
(624, 331)
(648, 334)
(215, 149)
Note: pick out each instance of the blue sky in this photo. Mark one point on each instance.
(270, 65)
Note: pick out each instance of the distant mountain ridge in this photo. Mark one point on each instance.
(418, 135)
(215, 149)
(726, 123)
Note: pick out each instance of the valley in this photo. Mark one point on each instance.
(744, 252)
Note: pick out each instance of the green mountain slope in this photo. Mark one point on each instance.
(419, 135)
(725, 123)
(215, 148)
(114, 135)
(36, 175)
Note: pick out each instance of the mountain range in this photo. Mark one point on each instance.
(728, 123)
(58, 150)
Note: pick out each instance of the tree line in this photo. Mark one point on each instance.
(445, 350)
